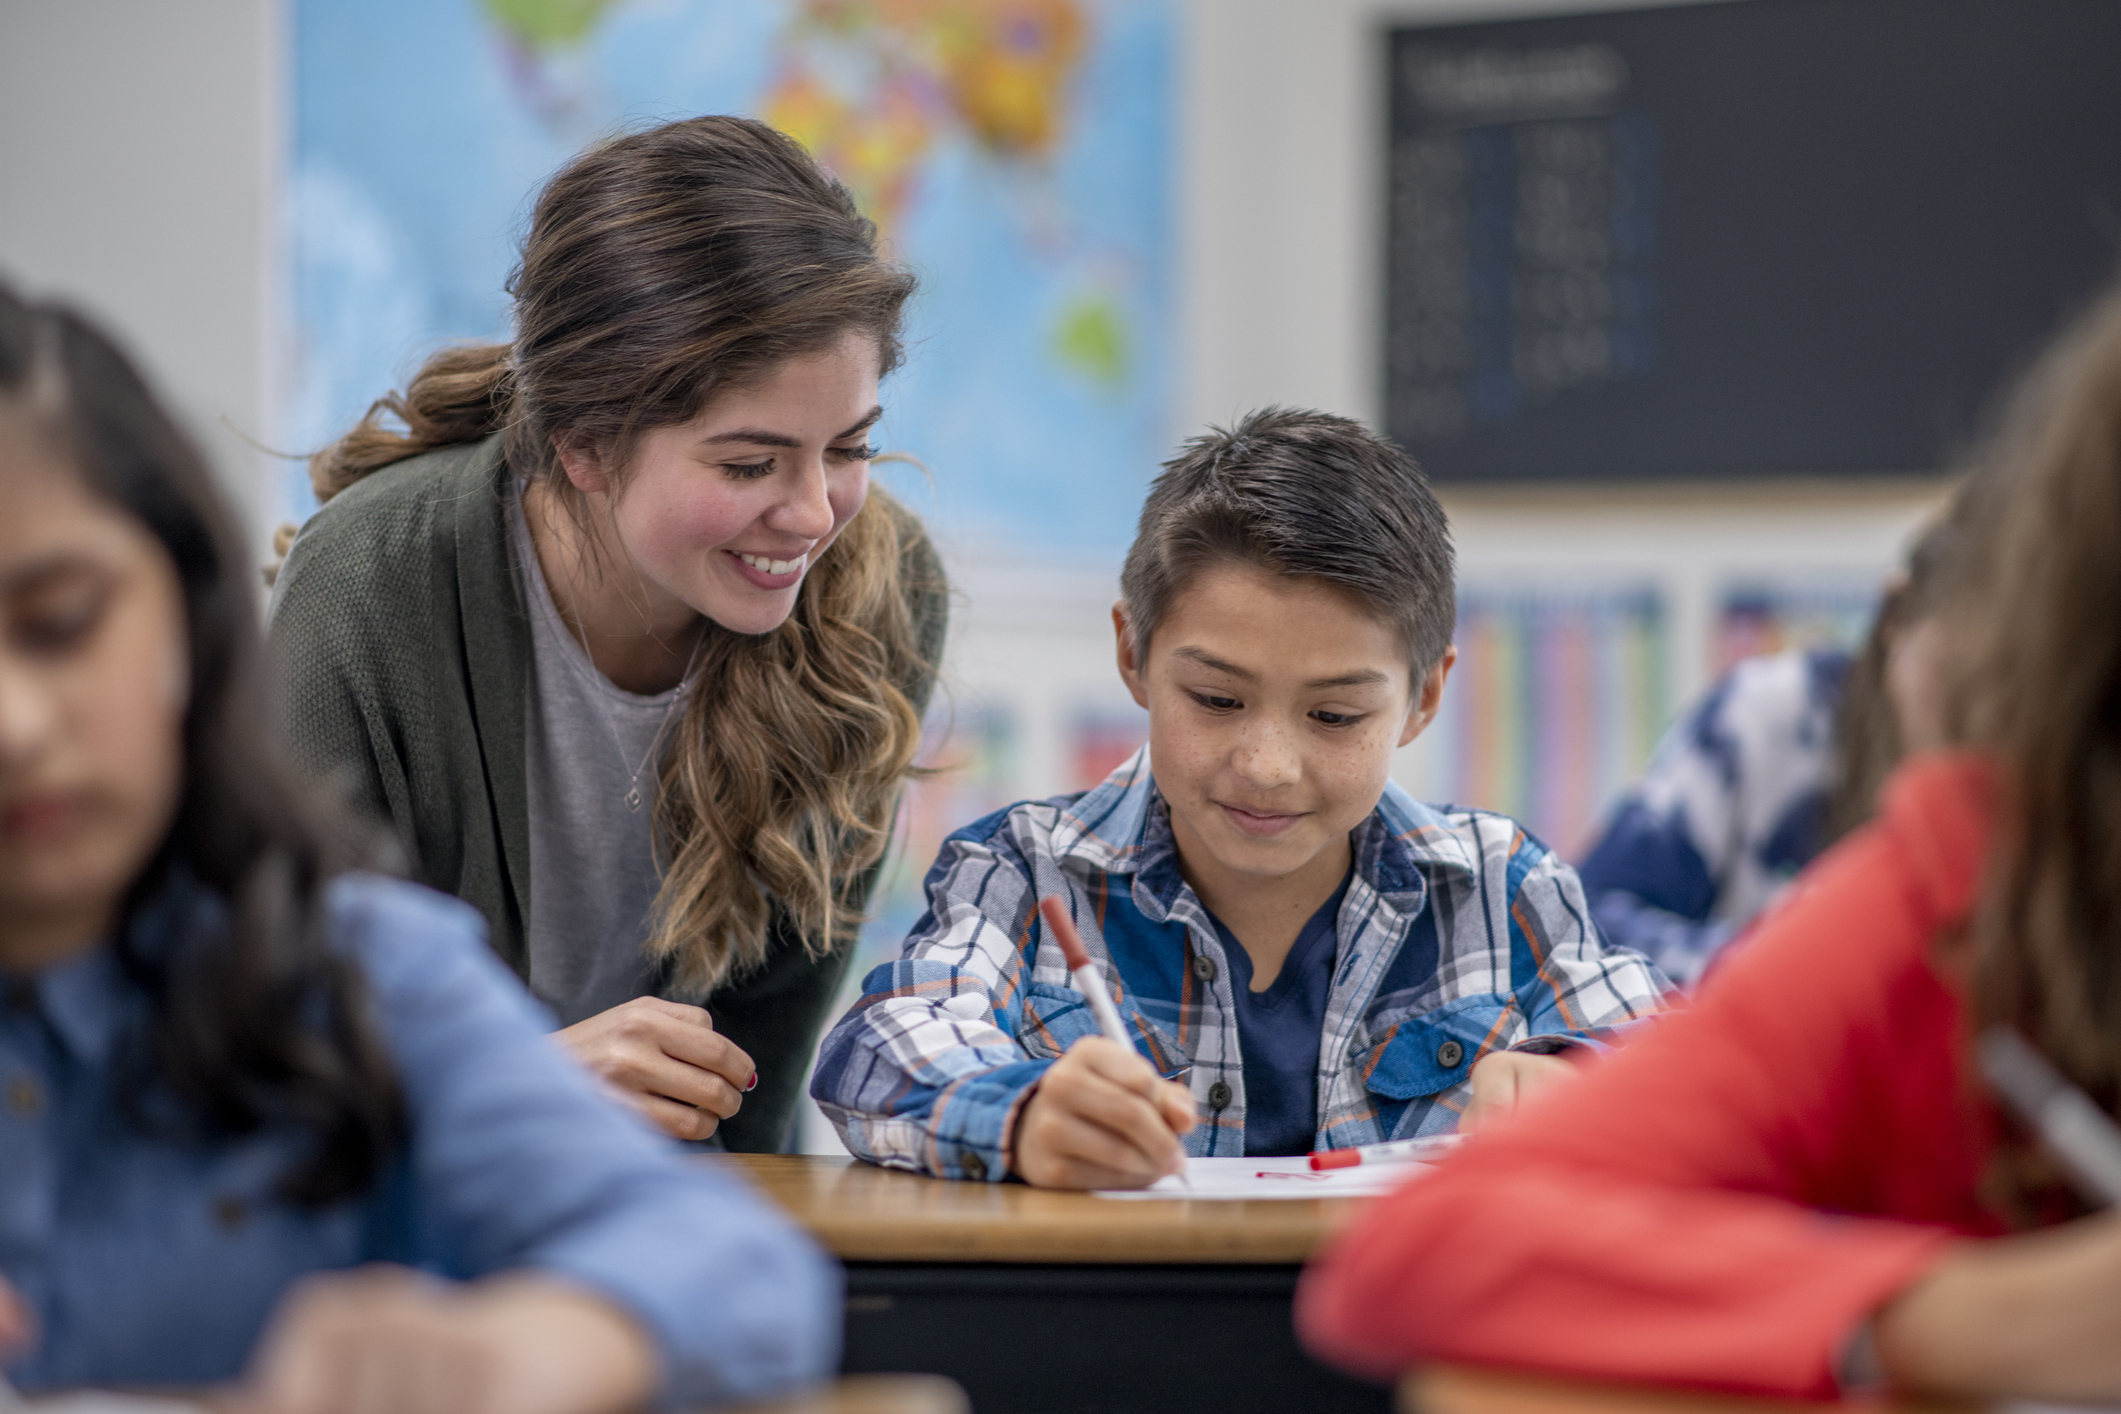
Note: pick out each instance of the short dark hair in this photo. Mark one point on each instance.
(1305, 494)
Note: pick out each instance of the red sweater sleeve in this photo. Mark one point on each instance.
(1725, 1200)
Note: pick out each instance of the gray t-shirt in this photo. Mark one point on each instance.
(593, 875)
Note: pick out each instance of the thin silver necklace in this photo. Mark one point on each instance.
(677, 694)
(586, 669)
(594, 681)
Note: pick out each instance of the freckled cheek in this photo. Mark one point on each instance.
(1352, 773)
(679, 528)
(1185, 755)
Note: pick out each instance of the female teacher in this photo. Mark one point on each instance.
(608, 623)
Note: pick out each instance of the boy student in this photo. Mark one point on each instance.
(1334, 962)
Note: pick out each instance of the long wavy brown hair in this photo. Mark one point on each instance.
(661, 268)
(2035, 682)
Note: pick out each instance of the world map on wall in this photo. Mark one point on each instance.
(1016, 153)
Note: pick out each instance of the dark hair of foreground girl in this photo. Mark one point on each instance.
(261, 1023)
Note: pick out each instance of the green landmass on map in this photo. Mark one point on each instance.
(548, 24)
(1090, 338)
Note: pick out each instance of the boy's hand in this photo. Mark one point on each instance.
(1101, 1118)
(1502, 1079)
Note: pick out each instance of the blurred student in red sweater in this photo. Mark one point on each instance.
(1800, 1185)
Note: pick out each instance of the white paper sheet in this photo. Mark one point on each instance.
(1221, 1180)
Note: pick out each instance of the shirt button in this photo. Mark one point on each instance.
(1220, 1095)
(24, 1096)
(974, 1166)
(1204, 967)
(1449, 1054)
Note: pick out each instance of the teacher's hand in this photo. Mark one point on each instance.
(668, 1061)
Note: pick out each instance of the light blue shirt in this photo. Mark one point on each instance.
(148, 1260)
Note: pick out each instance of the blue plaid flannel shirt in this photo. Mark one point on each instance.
(1730, 809)
(1459, 935)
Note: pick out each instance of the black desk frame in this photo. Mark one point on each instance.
(1084, 1339)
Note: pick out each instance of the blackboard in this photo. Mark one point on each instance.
(1742, 239)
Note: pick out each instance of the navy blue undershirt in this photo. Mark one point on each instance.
(1278, 1032)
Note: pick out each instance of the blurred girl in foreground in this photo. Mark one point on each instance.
(1800, 1184)
(226, 1066)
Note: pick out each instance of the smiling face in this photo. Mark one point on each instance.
(1275, 704)
(94, 680)
(723, 515)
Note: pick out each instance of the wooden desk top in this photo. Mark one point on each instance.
(849, 1394)
(1454, 1389)
(862, 1213)
(874, 1394)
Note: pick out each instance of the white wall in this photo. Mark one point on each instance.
(138, 144)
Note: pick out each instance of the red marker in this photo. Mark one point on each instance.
(1080, 971)
(1398, 1151)
(1084, 975)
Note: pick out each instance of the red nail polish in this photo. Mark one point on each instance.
(753, 1084)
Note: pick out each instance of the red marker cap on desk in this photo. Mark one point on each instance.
(1398, 1151)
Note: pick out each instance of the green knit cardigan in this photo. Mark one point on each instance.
(402, 647)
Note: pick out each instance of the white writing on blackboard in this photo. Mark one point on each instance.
(1491, 85)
